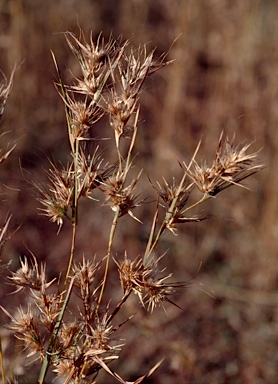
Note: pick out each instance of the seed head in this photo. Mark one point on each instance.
(119, 196)
(231, 165)
(94, 59)
(92, 172)
(49, 306)
(143, 281)
(82, 115)
(120, 109)
(25, 328)
(57, 200)
(29, 276)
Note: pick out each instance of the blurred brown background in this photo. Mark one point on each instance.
(224, 77)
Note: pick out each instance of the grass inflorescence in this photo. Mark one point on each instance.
(76, 346)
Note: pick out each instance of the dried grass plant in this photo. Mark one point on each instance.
(77, 345)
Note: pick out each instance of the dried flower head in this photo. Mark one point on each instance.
(143, 281)
(49, 306)
(100, 335)
(84, 273)
(30, 276)
(25, 328)
(120, 108)
(69, 335)
(84, 276)
(86, 346)
(119, 196)
(91, 55)
(136, 66)
(92, 172)
(82, 115)
(130, 273)
(231, 165)
(57, 200)
(94, 59)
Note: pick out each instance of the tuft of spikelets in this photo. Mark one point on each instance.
(119, 196)
(29, 275)
(25, 328)
(143, 281)
(231, 165)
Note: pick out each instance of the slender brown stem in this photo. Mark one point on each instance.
(118, 307)
(111, 238)
(128, 160)
(202, 200)
(74, 211)
(152, 246)
(74, 227)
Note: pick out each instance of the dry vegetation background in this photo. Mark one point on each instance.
(225, 77)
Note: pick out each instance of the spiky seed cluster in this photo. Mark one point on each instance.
(49, 306)
(58, 199)
(170, 192)
(119, 196)
(84, 349)
(25, 328)
(120, 109)
(101, 335)
(231, 165)
(84, 276)
(132, 72)
(29, 276)
(94, 59)
(91, 172)
(133, 69)
(130, 272)
(136, 66)
(98, 62)
(82, 346)
(142, 280)
(69, 334)
(82, 115)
